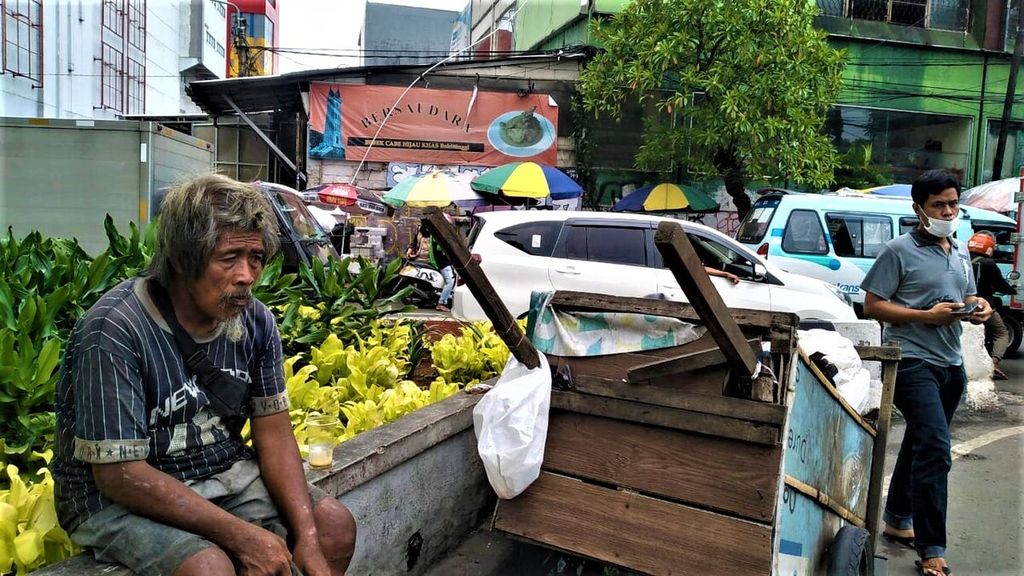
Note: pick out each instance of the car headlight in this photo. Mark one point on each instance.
(839, 293)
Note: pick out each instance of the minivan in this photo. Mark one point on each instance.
(521, 251)
(836, 238)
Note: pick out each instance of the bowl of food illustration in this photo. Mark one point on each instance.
(521, 133)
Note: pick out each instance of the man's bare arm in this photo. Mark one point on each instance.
(281, 469)
(148, 492)
(886, 311)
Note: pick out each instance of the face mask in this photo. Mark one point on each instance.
(941, 228)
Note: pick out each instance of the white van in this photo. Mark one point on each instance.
(609, 253)
(836, 238)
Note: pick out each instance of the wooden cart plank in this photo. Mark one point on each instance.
(682, 363)
(704, 471)
(593, 302)
(673, 418)
(634, 531)
(683, 397)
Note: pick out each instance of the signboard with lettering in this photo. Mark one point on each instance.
(430, 126)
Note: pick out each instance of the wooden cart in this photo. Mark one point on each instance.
(674, 461)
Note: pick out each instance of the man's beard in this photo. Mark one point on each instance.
(234, 329)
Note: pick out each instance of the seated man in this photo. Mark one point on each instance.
(151, 470)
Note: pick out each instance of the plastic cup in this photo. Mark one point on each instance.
(321, 432)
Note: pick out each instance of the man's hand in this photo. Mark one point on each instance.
(260, 552)
(310, 559)
(982, 314)
(942, 314)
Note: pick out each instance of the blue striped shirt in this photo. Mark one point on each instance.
(125, 394)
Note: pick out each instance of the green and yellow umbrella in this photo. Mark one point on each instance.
(666, 198)
(528, 180)
(433, 189)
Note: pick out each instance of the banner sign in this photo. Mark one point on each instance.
(431, 126)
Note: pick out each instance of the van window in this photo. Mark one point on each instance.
(908, 223)
(534, 238)
(804, 234)
(606, 244)
(858, 235)
(1004, 242)
(755, 225)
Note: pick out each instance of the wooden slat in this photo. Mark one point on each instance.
(703, 471)
(825, 500)
(683, 363)
(504, 325)
(886, 352)
(682, 397)
(878, 450)
(682, 260)
(592, 302)
(637, 532)
(675, 419)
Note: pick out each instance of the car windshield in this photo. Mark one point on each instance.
(299, 217)
(754, 226)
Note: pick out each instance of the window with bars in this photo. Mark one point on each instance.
(123, 56)
(22, 43)
(935, 14)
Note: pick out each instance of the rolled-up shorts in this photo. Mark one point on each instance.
(147, 547)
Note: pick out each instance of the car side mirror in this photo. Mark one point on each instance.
(1013, 276)
(760, 272)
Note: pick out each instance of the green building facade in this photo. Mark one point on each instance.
(924, 83)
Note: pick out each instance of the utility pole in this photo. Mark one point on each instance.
(240, 40)
(1011, 88)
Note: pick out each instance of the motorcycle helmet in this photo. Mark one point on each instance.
(982, 243)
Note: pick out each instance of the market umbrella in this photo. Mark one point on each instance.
(338, 194)
(666, 198)
(528, 180)
(433, 189)
(897, 190)
(996, 195)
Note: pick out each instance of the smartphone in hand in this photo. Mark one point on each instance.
(967, 310)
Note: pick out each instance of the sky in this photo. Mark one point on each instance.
(334, 25)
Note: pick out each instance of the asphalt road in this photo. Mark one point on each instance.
(985, 521)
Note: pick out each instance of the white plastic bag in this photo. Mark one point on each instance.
(853, 381)
(511, 425)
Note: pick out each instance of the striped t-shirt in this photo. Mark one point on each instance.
(125, 394)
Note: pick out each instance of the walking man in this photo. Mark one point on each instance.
(921, 287)
(151, 470)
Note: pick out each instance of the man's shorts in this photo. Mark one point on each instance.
(149, 547)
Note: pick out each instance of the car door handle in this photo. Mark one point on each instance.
(570, 271)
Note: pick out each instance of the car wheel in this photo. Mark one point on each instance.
(848, 547)
(1012, 323)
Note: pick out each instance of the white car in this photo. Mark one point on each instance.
(525, 250)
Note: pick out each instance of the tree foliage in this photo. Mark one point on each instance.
(740, 87)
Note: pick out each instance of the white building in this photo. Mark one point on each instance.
(107, 58)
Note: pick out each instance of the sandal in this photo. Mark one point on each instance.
(907, 541)
(923, 570)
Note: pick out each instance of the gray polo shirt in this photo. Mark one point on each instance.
(915, 272)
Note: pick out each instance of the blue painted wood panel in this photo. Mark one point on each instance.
(825, 446)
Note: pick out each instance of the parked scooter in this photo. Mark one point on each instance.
(426, 283)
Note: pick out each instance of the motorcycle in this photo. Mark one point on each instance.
(426, 283)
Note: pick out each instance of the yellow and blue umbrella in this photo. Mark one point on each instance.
(528, 180)
(666, 198)
(433, 189)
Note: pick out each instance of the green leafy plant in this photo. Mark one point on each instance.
(30, 536)
(475, 355)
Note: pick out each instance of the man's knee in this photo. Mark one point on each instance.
(210, 561)
(337, 529)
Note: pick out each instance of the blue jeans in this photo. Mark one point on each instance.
(449, 284)
(927, 395)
